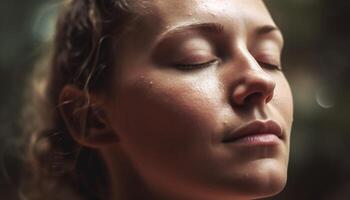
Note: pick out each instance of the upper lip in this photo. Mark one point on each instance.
(255, 128)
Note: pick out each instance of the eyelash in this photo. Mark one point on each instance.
(196, 66)
(215, 61)
(270, 66)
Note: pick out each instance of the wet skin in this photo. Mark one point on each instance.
(188, 74)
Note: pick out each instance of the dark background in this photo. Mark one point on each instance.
(316, 61)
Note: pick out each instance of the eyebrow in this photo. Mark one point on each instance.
(205, 27)
(217, 28)
(267, 29)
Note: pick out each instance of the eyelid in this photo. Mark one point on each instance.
(196, 57)
(269, 65)
(184, 49)
(269, 59)
(197, 65)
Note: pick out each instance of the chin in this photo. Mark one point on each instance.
(269, 189)
(265, 180)
(255, 180)
(260, 179)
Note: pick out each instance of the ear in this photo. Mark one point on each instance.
(85, 118)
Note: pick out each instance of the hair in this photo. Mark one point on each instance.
(85, 35)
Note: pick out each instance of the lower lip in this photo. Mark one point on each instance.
(258, 140)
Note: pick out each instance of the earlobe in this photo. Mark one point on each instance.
(85, 118)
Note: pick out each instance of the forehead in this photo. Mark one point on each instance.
(234, 12)
(155, 18)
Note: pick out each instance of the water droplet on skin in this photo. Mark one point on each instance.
(225, 121)
(150, 84)
(212, 14)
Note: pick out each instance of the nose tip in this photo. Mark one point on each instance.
(256, 88)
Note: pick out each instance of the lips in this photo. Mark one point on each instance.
(255, 129)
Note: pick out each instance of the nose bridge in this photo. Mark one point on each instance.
(246, 60)
(255, 85)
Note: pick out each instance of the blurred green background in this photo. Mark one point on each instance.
(316, 61)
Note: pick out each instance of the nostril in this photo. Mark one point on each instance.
(253, 98)
(269, 97)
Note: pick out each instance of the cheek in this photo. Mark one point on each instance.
(166, 118)
(283, 101)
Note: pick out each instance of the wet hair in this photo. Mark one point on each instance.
(85, 36)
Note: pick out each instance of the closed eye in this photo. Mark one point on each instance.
(270, 66)
(196, 65)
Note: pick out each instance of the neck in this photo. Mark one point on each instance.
(125, 182)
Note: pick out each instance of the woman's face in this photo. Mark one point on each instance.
(191, 73)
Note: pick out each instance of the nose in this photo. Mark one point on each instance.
(255, 85)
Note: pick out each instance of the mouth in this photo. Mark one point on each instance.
(256, 133)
